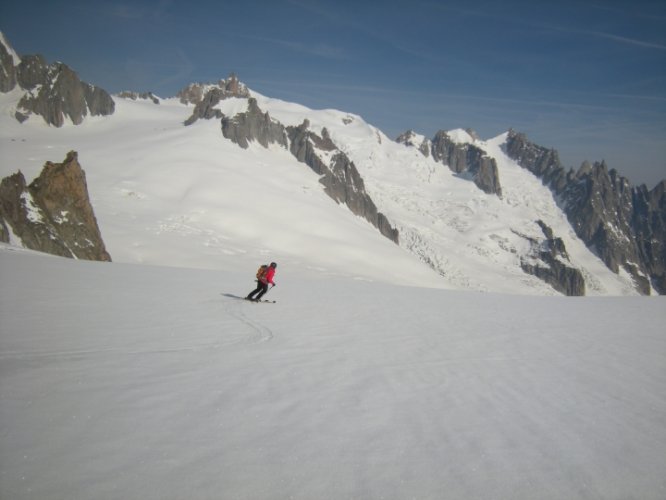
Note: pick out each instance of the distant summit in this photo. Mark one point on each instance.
(624, 225)
(139, 96)
(498, 214)
(205, 96)
(52, 91)
(456, 149)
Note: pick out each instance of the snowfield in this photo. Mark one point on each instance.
(172, 195)
(135, 381)
(381, 372)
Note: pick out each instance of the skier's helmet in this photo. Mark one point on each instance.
(273, 264)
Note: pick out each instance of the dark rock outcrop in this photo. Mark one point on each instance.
(551, 255)
(467, 160)
(206, 96)
(624, 225)
(53, 91)
(340, 177)
(409, 138)
(8, 63)
(254, 125)
(135, 96)
(53, 214)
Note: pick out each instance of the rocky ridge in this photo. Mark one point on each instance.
(465, 159)
(136, 96)
(624, 225)
(206, 96)
(52, 91)
(339, 175)
(549, 261)
(53, 213)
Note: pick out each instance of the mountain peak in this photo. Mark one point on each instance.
(9, 60)
(53, 91)
(197, 92)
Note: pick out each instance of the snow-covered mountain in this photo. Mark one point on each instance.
(146, 378)
(223, 170)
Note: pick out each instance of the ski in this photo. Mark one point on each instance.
(262, 301)
(232, 296)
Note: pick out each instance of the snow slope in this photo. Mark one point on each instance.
(168, 194)
(135, 381)
(474, 240)
(173, 195)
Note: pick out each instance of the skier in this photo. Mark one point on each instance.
(264, 277)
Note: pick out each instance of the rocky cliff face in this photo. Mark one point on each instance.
(139, 96)
(410, 138)
(464, 159)
(254, 125)
(9, 60)
(340, 178)
(624, 225)
(206, 96)
(53, 214)
(53, 91)
(339, 175)
(549, 261)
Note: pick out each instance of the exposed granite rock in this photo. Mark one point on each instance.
(254, 125)
(340, 178)
(410, 138)
(53, 214)
(649, 227)
(205, 108)
(339, 175)
(624, 225)
(8, 62)
(304, 145)
(135, 96)
(206, 96)
(345, 185)
(466, 160)
(552, 268)
(473, 134)
(4, 231)
(469, 161)
(231, 87)
(53, 91)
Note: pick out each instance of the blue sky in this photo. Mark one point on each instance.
(587, 78)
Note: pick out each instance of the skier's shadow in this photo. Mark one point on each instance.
(232, 296)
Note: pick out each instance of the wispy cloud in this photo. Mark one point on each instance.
(324, 50)
(537, 24)
(181, 70)
(615, 38)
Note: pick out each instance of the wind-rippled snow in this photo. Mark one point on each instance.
(127, 381)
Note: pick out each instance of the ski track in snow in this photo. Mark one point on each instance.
(235, 307)
(123, 381)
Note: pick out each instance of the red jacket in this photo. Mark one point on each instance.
(268, 277)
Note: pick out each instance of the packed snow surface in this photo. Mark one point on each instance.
(135, 381)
